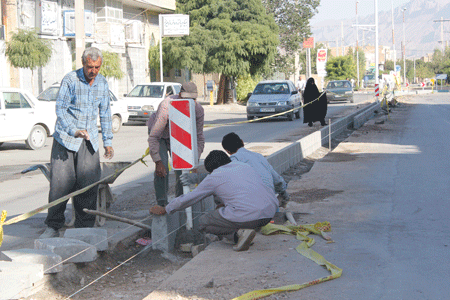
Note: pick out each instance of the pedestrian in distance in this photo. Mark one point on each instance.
(75, 159)
(159, 141)
(234, 146)
(315, 108)
(247, 204)
(301, 83)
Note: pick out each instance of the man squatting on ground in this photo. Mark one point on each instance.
(159, 141)
(247, 203)
(234, 146)
(75, 161)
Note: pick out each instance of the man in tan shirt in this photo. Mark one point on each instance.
(159, 141)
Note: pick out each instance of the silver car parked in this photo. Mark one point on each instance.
(272, 97)
(339, 90)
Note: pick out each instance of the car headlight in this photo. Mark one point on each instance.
(147, 107)
(283, 103)
(348, 92)
(252, 103)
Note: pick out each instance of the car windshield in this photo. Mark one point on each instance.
(49, 94)
(271, 88)
(153, 91)
(338, 85)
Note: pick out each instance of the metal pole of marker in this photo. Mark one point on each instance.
(188, 210)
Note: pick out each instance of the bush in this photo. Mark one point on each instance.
(244, 85)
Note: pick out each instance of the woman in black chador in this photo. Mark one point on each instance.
(317, 110)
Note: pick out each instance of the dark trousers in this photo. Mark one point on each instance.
(161, 184)
(71, 171)
(213, 222)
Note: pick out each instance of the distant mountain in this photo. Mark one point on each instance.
(422, 35)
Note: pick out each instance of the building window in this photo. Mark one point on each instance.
(109, 11)
(177, 72)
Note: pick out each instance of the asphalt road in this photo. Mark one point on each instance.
(20, 193)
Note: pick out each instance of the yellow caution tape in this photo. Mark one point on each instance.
(264, 118)
(64, 198)
(304, 249)
(2, 219)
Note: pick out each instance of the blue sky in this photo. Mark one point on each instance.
(346, 9)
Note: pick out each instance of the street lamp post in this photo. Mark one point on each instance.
(404, 47)
(357, 52)
(393, 37)
(377, 81)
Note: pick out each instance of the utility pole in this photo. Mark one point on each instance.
(404, 47)
(442, 20)
(393, 37)
(79, 32)
(337, 46)
(342, 37)
(357, 50)
(9, 19)
(377, 81)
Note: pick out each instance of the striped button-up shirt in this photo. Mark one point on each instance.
(78, 106)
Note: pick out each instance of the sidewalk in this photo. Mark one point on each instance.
(221, 273)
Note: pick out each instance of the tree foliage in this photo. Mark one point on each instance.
(111, 65)
(292, 18)
(26, 50)
(246, 84)
(230, 37)
(340, 68)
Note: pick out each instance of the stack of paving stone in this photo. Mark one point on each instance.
(22, 270)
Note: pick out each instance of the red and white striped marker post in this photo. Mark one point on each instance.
(377, 90)
(183, 141)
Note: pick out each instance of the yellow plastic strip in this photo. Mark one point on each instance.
(304, 249)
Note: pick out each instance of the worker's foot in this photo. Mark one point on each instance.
(310, 124)
(245, 237)
(49, 233)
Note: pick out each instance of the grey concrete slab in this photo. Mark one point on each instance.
(70, 250)
(17, 279)
(164, 230)
(94, 236)
(51, 262)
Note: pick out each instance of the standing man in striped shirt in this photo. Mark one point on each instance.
(159, 141)
(75, 159)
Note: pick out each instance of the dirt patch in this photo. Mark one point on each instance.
(339, 157)
(312, 195)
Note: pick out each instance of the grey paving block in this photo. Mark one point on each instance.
(17, 279)
(70, 250)
(51, 262)
(164, 231)
(94, 236)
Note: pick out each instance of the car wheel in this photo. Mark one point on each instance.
(352, 101)
(37, 138)
(249, 117)
(297, 114)
(1, 143)
(290, 116)
(116, 123)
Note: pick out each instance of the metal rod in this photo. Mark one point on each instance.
(329, 134)
(120, 219)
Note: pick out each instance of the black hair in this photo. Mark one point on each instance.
(216, 159)
(232, 142)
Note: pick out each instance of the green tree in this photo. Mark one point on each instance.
(340, 68)
(229, 37)
(26, 50)
(111, 65)
(292, 18)
(246, 84)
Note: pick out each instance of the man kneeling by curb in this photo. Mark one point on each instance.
(247, 204)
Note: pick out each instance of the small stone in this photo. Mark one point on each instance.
(210, 283)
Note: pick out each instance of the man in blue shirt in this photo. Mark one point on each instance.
(75, 160)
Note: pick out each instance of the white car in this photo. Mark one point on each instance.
(119, 112)
(23, 117)
(144, 99)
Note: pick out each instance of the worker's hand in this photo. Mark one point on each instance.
(283, 198)
(109, 152)
(160, 170)
(158, 210)
(220, 205)
(82, 134)
(189, 178)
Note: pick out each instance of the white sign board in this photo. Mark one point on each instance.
(175, 25)
(321, 62)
